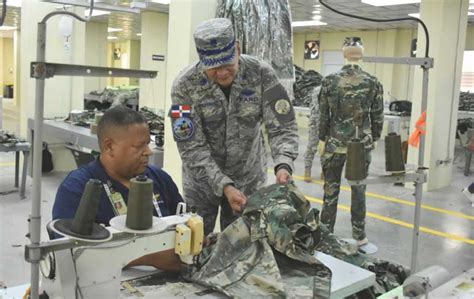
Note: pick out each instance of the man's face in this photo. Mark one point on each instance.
(129, 149)
(225, 75)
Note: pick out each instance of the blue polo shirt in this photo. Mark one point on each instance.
(71, 189)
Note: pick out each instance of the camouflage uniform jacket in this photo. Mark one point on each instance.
(350, 98)
(226, 144)
(314, 114)
(269, 252)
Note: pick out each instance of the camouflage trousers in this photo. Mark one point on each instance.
(332, 164)
(311, 150)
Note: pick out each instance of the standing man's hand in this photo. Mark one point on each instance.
(283, 176)
(237, 199)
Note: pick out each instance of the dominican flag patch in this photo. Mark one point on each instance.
(178, 111)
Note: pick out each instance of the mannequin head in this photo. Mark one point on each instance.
(353, 49)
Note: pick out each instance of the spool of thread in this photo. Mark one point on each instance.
(85, 214)
(140, 203)
(94, 129)
(98, 117)
(356, 161)
(393, 153)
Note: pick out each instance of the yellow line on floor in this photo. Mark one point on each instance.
(400, 201)
(7, 164)
(401, 223)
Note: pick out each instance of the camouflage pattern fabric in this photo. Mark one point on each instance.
(9, 139)
(332, 165)
(220, 140)
(156, 122)
(313, 133)
(254, 23)
(304, 84)
(350, 98)
(269, 252)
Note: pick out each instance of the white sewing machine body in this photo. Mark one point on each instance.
(93, 270)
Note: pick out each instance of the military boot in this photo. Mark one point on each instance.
(307, 175)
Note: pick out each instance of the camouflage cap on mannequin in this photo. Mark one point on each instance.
(352, 41)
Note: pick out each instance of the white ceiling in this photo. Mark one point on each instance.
(301, 11)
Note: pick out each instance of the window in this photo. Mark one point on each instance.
(467, 76)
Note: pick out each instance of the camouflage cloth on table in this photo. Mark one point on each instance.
(155, 122)
(313, 133)
(269, 251)
(8, 139)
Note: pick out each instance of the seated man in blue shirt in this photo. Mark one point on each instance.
(123, 140)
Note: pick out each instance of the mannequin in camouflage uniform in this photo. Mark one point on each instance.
(348, 99)
(219, 106)
(313, 134)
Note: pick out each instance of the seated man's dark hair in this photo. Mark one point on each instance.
(118, 116)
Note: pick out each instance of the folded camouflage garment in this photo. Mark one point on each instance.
(269, 252)
(9, 139)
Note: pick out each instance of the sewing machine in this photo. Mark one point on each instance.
(74, 268)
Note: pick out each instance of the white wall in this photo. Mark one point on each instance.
(96, 53)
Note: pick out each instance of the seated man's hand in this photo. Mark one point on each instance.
(283, 176)
(236, 198)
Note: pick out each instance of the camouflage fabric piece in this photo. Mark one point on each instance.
(227, 146)
(254, 23)
(313, 133)
(9, 139)
(269, 252)
(156, 122)
(237, 266)
(332, 164)
(104, 99)
(350, 98)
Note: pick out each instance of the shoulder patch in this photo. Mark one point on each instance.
(183, 129)
(280, 103)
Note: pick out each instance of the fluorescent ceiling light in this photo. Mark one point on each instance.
(96, 12)
(307, 23)
(316, 17)
(160, 1)
(14, 3)
(317, 5)
(317, 11)
(471, 6)
(389, 2)
(5, 28)
(111, 37)
(139, 34)
(110, 29)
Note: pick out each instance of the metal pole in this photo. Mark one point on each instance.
(418, 185)
(35, 217)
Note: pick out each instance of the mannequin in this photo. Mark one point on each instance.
(348, 99)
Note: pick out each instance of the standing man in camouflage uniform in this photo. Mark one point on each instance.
(348, 98)
(219, 106)
(313, 134)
